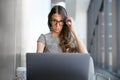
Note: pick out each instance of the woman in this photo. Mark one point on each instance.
(62, 36)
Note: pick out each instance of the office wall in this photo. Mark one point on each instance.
(9, 38)
(34, 23)
(81, 20)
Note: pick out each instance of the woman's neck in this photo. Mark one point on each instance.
(55, 34)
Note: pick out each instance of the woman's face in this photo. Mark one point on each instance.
(57, 23)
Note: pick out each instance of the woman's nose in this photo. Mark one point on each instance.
(57, 24)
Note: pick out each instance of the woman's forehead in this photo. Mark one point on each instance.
(57, 16)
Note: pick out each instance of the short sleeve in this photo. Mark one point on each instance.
(41, 38)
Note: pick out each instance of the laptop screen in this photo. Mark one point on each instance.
(63, 66)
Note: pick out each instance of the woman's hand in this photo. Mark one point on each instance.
(69, 22)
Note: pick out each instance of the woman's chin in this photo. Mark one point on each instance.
(57, 31)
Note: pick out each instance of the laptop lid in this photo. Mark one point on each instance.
(63, 66)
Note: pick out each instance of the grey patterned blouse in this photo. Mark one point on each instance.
(51, 43)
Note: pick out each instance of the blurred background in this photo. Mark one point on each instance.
(96, 22)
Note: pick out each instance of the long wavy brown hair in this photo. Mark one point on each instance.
(66, 38)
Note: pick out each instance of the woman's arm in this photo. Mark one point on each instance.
(40, 47)
(80, 46)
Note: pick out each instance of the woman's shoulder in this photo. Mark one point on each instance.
(43, 37)
(47, 35)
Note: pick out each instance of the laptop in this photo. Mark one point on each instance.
(62, 66)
